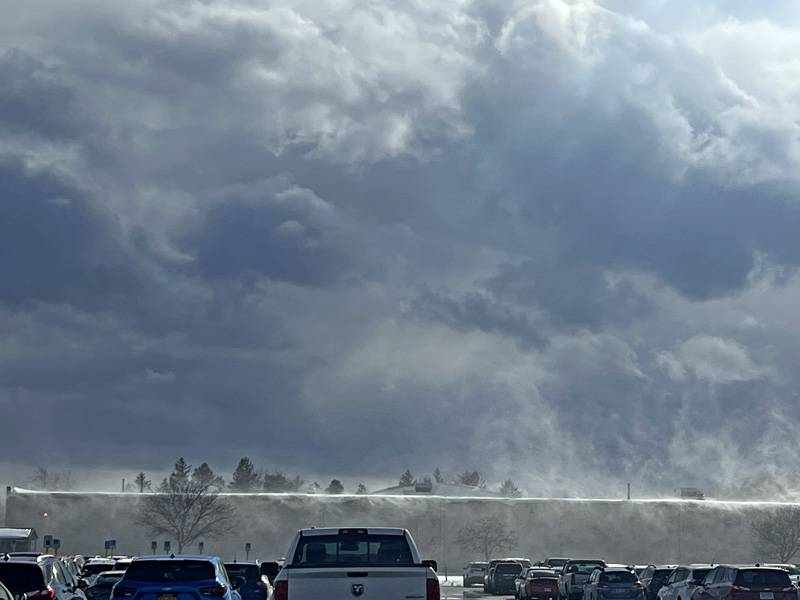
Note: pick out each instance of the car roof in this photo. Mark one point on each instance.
(616, 569)
(168, 557)
(335, 530)
(100, 561)
(109, 573)
(254, 563)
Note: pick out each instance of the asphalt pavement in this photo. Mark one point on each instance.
(471, 593)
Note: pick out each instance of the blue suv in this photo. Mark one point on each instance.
(176, 578)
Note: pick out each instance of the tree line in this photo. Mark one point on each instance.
(246, 478)
(469, 478)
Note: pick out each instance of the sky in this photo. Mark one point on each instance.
(551, 240)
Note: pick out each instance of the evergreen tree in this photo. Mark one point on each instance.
(472, 478)
(362, 489)
(245, 478)
(437, 475)
(509, 489)
(180, 475)
(335, 487)
(406, 479)
(277, 482)
(206, 476)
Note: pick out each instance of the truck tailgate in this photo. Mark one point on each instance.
(347, 583)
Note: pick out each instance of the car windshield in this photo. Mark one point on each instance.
(618, 577)
(20, 578)
(251, 573)
(762, 578)
(170, 570)
(349, 549)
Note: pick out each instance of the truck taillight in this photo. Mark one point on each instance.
(281, 590)
(432, 591)
(51, 593)
(214, 591)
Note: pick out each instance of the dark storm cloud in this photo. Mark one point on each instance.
(34, 100)
(490, 233)
(55, 245)
(273, 236)
(477, 311)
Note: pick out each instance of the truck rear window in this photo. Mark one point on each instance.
(20, 578)
(347, 549)
(165, 571)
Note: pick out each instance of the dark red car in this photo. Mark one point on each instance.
(746, 583)
(539, 584)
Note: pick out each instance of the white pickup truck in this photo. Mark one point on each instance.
(366, 563)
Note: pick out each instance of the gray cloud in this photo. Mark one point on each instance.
(496, 233)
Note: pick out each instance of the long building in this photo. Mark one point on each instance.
(627, 531)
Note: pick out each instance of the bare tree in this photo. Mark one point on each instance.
(45, 479)
(487, 536)
(777, 535)
(186, 509)
(142, 482)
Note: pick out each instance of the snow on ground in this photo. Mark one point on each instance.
(452, 581)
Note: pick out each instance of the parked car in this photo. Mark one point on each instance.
(539, 584)
(683, 581)
(575, 573)
(726, 582)
(173, 577)
(103, 583)
(367, 563)
(5, 593)
(42, 578)
(555, 563)
(613, 582)
(793, 570)
(94, 566)
(502, 577)
(488, 580)
(654, 577)
(474, 572)
(256, 585)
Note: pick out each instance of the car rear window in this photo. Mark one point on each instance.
(506, 568)
(251, 573)
(699, 574)
(352, 549)
(618, 577)
(585, 568)
(662, 573)
(762, 578)
(170, 570)
(95, 568)
(20, 579)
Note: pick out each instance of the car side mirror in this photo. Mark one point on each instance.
(271, 570)
(432, 564)
(238, 582)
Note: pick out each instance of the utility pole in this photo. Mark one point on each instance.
(629, 491)
(123, 485)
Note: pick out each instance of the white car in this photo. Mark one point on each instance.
(683, 580)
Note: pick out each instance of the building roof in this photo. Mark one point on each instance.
(15, 533)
